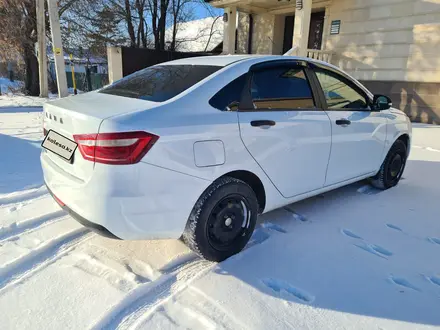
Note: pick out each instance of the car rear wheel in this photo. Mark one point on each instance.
(223, 219)
(392, 167)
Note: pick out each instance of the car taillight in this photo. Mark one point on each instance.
(115, 148)
(59, 201)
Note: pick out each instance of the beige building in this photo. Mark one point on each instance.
(392, 46)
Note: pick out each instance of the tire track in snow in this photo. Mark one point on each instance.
(22, 196)
(138, 306)
(40, 258)
(15, 230)
(426, 148)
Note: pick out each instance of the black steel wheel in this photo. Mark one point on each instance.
(229, 220)
(223, 219)
(392, 167)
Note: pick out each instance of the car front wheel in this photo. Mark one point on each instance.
(392, 167)
(223, 219)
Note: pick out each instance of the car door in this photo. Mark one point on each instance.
(358, 131)
(283, 128)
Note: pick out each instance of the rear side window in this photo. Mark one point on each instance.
(229, 95)
(281, 88)
(159, 83)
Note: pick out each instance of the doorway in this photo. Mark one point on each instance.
(315, 32)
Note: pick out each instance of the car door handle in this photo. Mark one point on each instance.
(343, 122)
(259, 123)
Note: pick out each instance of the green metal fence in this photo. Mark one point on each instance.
(97, 80)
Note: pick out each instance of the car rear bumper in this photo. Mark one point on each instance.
(130, 202)
(101, 230)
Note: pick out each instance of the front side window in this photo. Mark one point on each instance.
(338, 92)
(281, 88)
(161, 82)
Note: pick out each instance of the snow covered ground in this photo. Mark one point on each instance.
(10, 95)
(354, 258)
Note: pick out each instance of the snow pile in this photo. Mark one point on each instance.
(11, 95)
(197, 36)
(354, 258)
(9, 87)
(20, 100)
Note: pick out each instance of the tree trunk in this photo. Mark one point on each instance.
(140, 5)
(144, 35)
(176, 11)
(162, 23)
(154, 21)
(129, 21)
(32, 83)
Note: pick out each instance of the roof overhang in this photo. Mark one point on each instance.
(265, 6)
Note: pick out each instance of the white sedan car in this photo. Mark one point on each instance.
(197, 148)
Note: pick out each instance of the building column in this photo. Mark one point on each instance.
(326, 28)
(229, 31)
(302, 27)
(114, 60)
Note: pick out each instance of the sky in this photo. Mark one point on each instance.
(201, 10)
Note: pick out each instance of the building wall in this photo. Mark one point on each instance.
(393, 47)
(387, 39)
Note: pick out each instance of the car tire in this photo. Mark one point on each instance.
(392, 167)
(222, 220)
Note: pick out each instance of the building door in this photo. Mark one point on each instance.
(289, 23)
(315, 33)
(316, 29)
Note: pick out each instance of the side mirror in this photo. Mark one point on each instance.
(382, 102)
(233, 106)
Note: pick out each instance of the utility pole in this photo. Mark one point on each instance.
(58, 52)
(42, 61)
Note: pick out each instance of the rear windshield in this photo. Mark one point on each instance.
(160, 83)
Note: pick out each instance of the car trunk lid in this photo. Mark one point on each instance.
(84, 114)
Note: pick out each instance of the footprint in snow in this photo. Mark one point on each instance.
(375, 249)
(400, 281)
(258, 237)
(350, 234)
(391, 226)
(280, 287)
(272, 226)
(296, 216)
(433, 279)
(434, 240)
(368, 190)
(12, 209)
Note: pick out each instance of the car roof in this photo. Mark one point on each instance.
(224, 60)
(215, 60)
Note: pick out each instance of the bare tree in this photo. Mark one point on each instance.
(180, 12)
(18, 35)
(212, 31)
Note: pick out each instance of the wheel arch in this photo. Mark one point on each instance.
(254, 182)
(405, 139)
